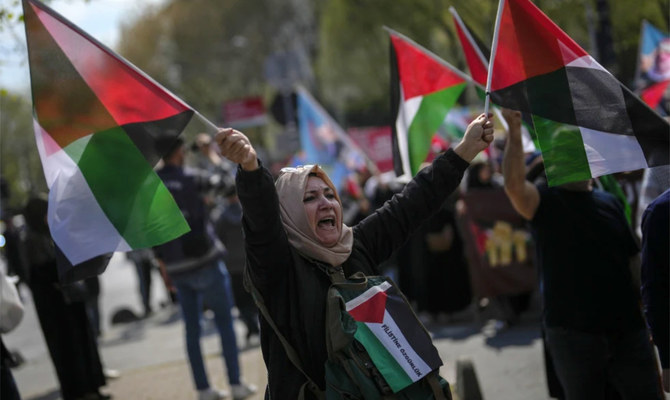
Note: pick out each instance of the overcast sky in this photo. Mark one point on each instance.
(99, 18)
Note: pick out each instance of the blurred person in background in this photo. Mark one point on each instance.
(586, 254)
(655, 277)
(195, 266)
(61, 310)
(229, 230)
(145, 262)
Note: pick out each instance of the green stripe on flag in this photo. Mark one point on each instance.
(563, 152)
(130, 193)
(395, 376)
(430, 115)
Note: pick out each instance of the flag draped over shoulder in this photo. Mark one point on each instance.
(423, 89)
(100, 126)
(324, 142)
(398, 344)
(588, 124)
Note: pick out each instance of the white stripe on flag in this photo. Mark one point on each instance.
(609, 153)
(407, 110)
(583, 62)
(77, 223)
(393, 340)
(41, 136)
(367, 295)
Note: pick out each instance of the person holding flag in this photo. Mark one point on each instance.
(294, 235)
(586, 252)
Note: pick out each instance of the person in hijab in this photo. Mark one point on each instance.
(294, 232)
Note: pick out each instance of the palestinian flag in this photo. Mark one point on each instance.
(100, 126)
(588, 124)
(397, 343)
(478, 64)
(423, 89)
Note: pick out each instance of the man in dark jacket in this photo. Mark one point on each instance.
(194, 264)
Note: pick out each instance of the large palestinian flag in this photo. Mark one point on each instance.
(588, 124)
(477, 58)
(423, 89)
(397, 343)
(100, 126)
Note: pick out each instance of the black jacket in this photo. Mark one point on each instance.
(294, 288)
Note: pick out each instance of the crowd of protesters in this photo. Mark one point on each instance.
(432, 269)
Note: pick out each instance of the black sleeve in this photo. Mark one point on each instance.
(656, 277)
(266, 244)
(392, 224)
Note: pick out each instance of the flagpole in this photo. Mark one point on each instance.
(207, 122)
(494, 47)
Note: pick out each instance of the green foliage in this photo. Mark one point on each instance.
(7, 15)
(207, 51)
(352, 65)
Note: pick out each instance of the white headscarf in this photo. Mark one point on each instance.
(291, 189)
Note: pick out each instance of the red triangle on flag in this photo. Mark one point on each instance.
(434, 76)
(478, 68)
(112, 79)
(372, 310)
(654, 93)
(529, 45)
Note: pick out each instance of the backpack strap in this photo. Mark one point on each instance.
(290, 351)
(436, 387)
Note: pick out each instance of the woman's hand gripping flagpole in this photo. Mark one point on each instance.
(236, 146)
(478, 136)
(233, 145)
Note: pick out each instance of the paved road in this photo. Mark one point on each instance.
(151, 357)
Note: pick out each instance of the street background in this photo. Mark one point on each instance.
(151, 358)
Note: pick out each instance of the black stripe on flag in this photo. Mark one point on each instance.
(594, 99)
(650, 129)
(412, 329)
(155, 138)
(546, 95)
(598, 101)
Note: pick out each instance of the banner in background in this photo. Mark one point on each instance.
(324, 142)
(375, 141)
